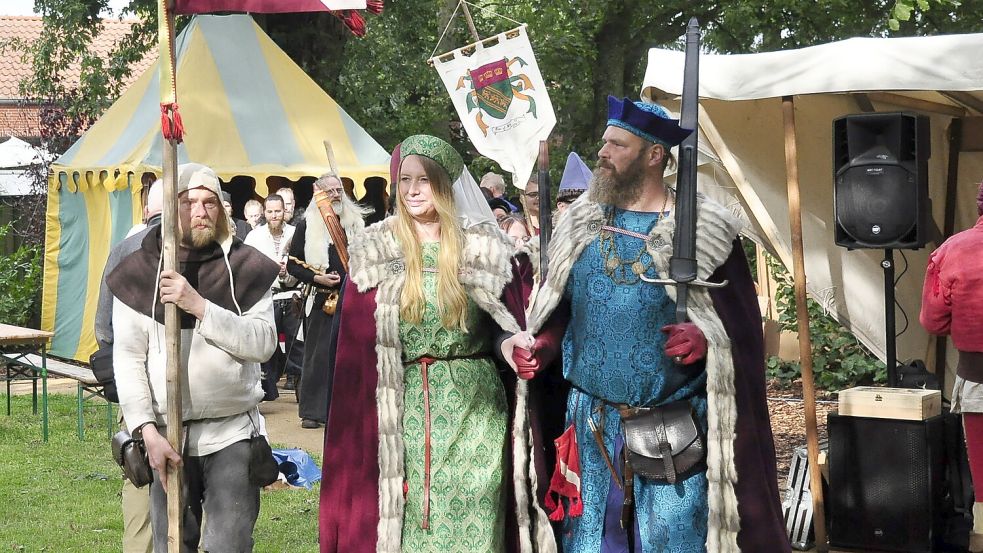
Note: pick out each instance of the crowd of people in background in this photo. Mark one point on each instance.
(416, 327)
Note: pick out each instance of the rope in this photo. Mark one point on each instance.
(448, 26)
(493, 13)
(454, 14)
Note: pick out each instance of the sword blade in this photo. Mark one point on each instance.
(545, 209)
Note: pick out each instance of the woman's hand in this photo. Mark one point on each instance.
(528, 355)
(520, 340)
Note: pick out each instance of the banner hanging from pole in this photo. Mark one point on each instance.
(502, 100)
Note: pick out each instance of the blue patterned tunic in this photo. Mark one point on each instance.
(613, 351)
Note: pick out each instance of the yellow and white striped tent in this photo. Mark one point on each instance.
(247, 110)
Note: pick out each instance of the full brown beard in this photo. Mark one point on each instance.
(199, 238)
(613, 188)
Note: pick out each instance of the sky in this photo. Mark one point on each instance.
(26, 7)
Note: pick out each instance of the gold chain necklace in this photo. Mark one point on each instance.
(624, 271)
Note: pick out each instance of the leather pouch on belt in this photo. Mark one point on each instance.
(131, 455)
(662, 443)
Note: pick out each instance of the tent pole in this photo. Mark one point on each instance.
(802, 315)
(172, 322)
(949, 227)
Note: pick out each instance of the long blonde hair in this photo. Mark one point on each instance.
(452, 302)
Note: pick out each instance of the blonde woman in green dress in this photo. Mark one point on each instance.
(425, 447)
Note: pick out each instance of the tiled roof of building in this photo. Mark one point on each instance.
(28, 28)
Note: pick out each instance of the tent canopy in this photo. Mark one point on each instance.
(741, 129)
(247, 108)
(15, 153)
(15, 156)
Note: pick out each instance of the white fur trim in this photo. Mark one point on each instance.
(716, 230)
(377, 262)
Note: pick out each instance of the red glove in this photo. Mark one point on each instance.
(686, 343)
(529, 362)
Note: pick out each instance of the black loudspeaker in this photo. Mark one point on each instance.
(886, 483)
(880, 184)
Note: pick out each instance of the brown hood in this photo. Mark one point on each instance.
(135, 280)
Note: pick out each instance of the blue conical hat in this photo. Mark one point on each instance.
(576, 174)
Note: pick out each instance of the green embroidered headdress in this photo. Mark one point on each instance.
(436, 149)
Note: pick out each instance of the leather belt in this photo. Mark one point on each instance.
(970, 366)
(425, 363)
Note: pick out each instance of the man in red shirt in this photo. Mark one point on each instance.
(952, 301)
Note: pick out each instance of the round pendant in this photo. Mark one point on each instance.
(638, 268)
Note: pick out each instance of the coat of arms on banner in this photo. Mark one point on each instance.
(494, 85)
(501, 99)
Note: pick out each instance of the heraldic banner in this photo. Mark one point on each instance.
(501, 98)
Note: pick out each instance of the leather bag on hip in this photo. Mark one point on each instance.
(131, 455)
(662, 443)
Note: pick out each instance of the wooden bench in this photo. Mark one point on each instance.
(31, 366)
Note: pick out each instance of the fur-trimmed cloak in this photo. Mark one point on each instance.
(362, 501)
(745, 513)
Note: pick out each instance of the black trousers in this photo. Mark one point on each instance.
(289, 362)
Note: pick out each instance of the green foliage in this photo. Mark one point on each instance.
(586, 49)
(903, 10)
(20, 282)
(839, 360)
(64, 495)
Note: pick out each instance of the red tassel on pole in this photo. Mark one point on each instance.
(374, 6)
(354, 21)
(171, 125)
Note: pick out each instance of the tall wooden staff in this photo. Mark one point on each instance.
(172, 130)
(331, 219)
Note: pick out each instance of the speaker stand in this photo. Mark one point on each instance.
(889, 314)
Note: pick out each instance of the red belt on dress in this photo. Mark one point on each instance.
(425, 362)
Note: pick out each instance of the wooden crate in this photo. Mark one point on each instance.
(890, 403)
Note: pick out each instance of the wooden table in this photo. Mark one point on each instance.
(16, 343)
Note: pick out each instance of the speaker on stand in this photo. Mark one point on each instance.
(880, 193)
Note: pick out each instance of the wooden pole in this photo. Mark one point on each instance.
(332, 162)
(172, 326)
(949, 227)
(467, 17)
(802, 314)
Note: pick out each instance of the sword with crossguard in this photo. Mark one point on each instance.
(682, 264)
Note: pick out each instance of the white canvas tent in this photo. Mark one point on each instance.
(741, 127)
(15, 156)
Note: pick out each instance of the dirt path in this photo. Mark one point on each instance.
(283, 425)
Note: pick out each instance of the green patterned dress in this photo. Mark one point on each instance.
(468, 428)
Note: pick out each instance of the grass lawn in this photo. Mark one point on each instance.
(64, 495)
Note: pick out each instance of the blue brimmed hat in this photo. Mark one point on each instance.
(648, 121)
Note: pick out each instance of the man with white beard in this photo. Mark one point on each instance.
(314, 261)
(273, 239)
